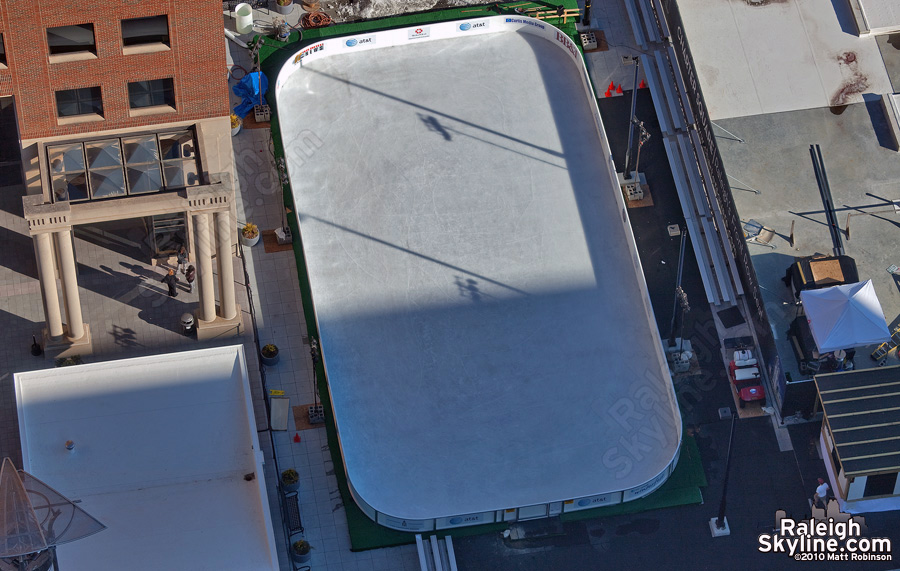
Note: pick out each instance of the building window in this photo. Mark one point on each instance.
(2, 52)
(71, 39)
(178, 159)
(67, 173)
(143, 31)
(142, 166)
(126, 166)
(104, 160)
(10, 153)
(82, 101)
(880, 485)
(151, 93)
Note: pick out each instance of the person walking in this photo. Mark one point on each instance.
(171, 280)
(182, 258)
(190, 275)
(821, 496)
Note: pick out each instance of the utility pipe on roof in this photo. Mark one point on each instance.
(233, 37)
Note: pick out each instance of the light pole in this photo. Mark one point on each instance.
(644, 137)
(634, 91)
(680, 295)
(719, 525)
(314, 353)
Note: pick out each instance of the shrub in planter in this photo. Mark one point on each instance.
(290, 478)
(300, 551)
(269, 354)
(235, 124)
(250, 234)
(250, 230)
(69, 361)
(284, 6)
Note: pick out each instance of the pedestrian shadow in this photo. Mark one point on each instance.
(124, 337)
(469, 288)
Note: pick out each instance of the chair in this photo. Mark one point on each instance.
(756, 233)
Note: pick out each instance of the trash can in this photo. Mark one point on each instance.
(243, 15)
(187, 324)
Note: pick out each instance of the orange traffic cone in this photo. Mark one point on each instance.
(619, 89)
(611, 87)
(607, 94)
(642, 85)
(296, 437)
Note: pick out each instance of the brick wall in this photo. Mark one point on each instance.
(196, 61)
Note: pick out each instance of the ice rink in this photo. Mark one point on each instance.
(487, 335)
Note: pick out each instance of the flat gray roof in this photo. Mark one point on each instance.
(864, 176)
(488, 337)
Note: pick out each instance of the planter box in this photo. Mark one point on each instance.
(269, 361)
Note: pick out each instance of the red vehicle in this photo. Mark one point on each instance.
(744, 375)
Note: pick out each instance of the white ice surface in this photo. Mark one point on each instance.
(780, 56)
(479, 311)
(161, 447)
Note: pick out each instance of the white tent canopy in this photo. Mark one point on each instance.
(845, 316)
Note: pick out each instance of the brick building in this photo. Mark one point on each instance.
(116, 110)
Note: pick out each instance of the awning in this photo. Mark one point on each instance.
(845, 316)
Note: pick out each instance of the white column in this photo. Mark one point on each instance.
(227, 307)
(44, 251)
(69, 277)
(204, 268)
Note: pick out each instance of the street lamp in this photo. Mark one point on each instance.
(644, 137)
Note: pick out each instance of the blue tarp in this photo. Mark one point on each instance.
(251, 88)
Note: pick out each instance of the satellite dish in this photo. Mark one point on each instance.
(35, 518)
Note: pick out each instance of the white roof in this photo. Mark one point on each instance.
(162, 444)
(484, 322)
(882, 16)
(756, 58)
(845, 316)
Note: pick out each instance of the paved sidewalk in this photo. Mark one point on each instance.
(273, 276)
